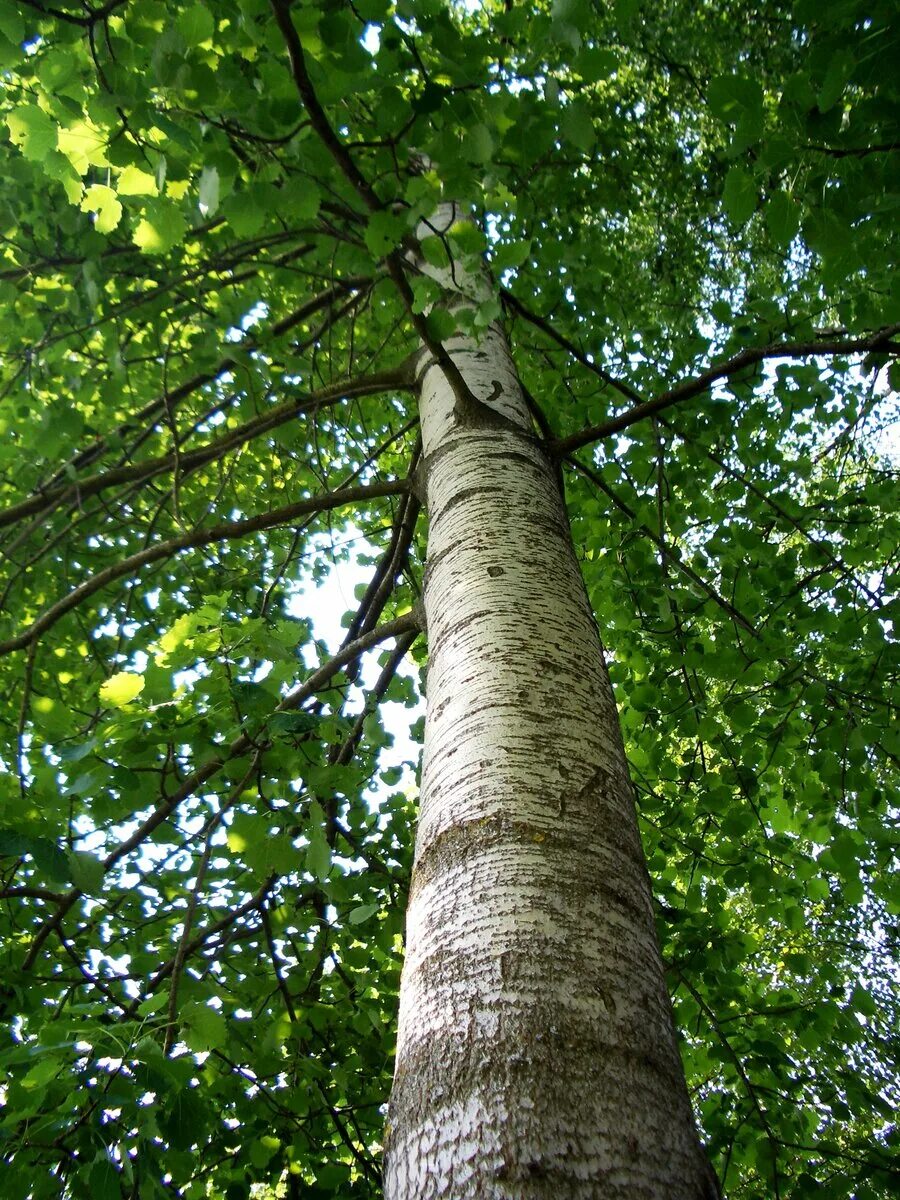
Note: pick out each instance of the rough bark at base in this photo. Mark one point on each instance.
(536, 1054)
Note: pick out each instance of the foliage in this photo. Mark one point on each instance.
(205, 395)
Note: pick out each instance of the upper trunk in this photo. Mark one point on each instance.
(536, 1053)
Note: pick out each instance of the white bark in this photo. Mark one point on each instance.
(536, 1054)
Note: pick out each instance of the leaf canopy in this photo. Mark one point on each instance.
(206, 403)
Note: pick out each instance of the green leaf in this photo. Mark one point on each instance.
(301, 199)
(383, 233)
(51, 860)
(511, 254)
(11, 24)
(121, 689)
(209, 191)
(845, 851)
(86, 871)
(84, 145)
(13, 843)
(32, 130)
(576, 125)
(441, 324)
(467, 237)
(294, 723)
(732, 96)
(782, 218)
(206, 1028)
(737, 100)
(362, 912)
(47, 855)
(105, 1181)
(42, 1072)
(153, 1004)
(318, 853)
(102, 200)
(596, 63)
(135, 182)
(183, 1122)
(162, 228)
(196, 24)
(739, 196)
(246, 212)
(840, 68)
(479, 144)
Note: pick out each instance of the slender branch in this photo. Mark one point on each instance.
(197, 942)
(342, 157)
(228, 362)
(276, 966)
(854, 151)
(238, 747)
(664, 547)
(182, 951)
(195, 538)
(29, 893)
(319, 120)
(397, 379)
(834, 560)
(393, 560)
(744, 1077)
(561, 340)
(701, 383)
(86, 22)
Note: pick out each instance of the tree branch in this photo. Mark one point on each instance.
(319, 120)
(562, 341)
(239, 746)
(398, 378)
(228, 362)
(199, 537)
(664, 548)
(701, 383)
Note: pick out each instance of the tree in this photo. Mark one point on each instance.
(589, 287)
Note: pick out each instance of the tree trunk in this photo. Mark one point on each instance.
(536, 1054)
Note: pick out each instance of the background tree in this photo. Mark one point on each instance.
(210, 316)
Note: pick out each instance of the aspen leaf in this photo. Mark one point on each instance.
(318, 853)
(209, 191)
(206, 1030)
(361, 913)
(161, 229)
(121, 689)
(840, 68)
(479, 144)
(729, 96)
(576, 125)
(32, 130)
(196, 24)
(739, 196)
(135, 182)
(184, 1120)
(87, 872)
(101, 201)
(383, 233)
(245, 212)
(105, 1181)
(43, 1071)
(513, 254)
(782, 218)
(153, 1004)
(11, 24)
(84, 145)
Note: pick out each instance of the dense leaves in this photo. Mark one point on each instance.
(206, 401)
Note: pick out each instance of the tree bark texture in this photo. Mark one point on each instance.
(536, 1055)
